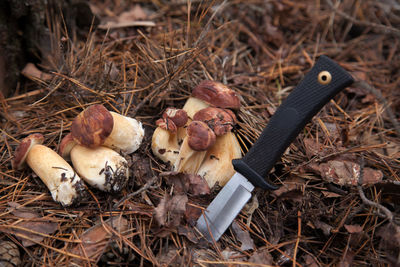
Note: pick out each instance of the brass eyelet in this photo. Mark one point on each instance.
(324, 77)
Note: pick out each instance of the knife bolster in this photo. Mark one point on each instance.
(241, 167)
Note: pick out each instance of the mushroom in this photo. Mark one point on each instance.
(211, 93)
(199, 138)
(97, 126)
(217, 163)
(101, 167)
(167, 136)
(219, 120)
(64, 184)
(208, 111)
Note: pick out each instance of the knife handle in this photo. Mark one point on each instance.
(320, 84)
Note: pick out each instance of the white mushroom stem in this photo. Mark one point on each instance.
(64, 184)
(126, 136)
(188, 160)
(101, 167)
(165, 145)
(193, 104)
(217, 165)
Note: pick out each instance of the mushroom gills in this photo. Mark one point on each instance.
(101, 167)
(64, 184)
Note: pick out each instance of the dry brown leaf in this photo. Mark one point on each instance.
(171, 257)
(312, 147)
(310, 261)
(326, 228)
(21, 211)
(243, 236)
(345, 172)
(291, 189)
(192, 213)
(170, 210)
(95, 239)
(261, 257)
(28, 227)
(33, 223)
(354, 228)
(330, 194)
(184, 182)
(188, 232)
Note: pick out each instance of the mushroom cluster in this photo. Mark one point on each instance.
(197, 139)
(97, 138)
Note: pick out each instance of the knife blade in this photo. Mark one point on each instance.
(325, 79)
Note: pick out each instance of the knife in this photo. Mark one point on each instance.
(325, 79)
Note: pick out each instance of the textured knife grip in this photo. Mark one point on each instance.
(293, 114)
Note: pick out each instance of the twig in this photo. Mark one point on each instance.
(377, 27)
(380, 97)
(366, 201)
(144, 188)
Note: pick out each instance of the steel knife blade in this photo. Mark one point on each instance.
(325, 79)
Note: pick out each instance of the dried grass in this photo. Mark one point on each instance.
(259, 48)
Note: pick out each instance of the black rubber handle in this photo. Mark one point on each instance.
(320, 84)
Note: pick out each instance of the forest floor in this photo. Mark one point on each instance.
(338, 201)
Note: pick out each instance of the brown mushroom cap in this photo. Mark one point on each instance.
(219, 120)
(200, 136)
(92, 126)
(178, 116)
(216, 94)
(23, 149)
(66, 145)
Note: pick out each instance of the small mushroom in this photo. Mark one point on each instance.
(211, 93)
(169, 134)
(64, 184)
(216, 165)
(101, 167)
(97, 126)
(219, 120)
(199, 138)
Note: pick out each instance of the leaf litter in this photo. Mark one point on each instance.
(261, 50)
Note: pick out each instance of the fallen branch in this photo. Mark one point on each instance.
(388, 214)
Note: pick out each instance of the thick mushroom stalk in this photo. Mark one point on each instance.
(64, 184)
(217, 165)
(199, 138)
(169, 134)
(126, 136)
(96, 126)
(101, 167)
(164, 145)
